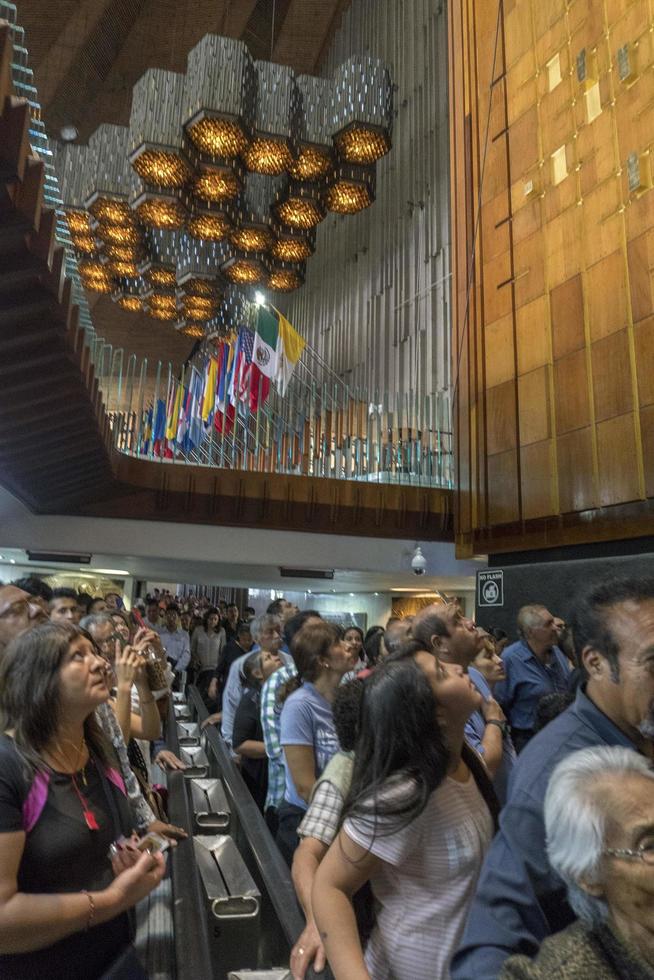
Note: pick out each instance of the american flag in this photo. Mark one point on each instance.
(246, 348)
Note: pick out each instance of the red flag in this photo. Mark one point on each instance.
(259, 383)
(224, 421)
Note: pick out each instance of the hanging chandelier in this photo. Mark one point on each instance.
(220, 180)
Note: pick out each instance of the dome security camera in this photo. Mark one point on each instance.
(418, 562)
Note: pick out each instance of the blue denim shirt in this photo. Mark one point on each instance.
(519, 899)
(527, 681)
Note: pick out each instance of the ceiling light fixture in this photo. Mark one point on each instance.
(68, 133)
(240, 154)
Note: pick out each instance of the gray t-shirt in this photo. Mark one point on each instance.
(426, 882)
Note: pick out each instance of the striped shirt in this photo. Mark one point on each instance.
(426, 882)
(270, 722)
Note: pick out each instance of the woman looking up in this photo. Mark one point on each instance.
(248, 733)
(307, 732)
(415, 825)
(62, 804)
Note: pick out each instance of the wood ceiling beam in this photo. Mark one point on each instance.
(235, 17)
(97, 45)
(302, 36)
(62, 54)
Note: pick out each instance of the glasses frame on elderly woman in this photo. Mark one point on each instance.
(644, 853)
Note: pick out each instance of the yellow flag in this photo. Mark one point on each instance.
(289, 351)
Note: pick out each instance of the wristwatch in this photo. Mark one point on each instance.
(502, 725)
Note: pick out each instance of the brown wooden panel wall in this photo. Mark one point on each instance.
(551, 133)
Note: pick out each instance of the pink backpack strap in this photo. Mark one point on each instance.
(35, 800)
(114, 777)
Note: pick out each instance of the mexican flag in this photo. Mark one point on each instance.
(264, 354)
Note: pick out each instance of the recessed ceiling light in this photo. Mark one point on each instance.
(68, 133)
(110, 571)
(12, 561)
(352, 594)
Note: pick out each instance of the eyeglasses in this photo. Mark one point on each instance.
(644, 853)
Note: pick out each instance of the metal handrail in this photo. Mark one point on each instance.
(192, 943)
(270, 863)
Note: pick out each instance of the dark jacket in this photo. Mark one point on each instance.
(579, 953)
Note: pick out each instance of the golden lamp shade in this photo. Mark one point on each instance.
(131, 303)
(251, 239)
(218, 137)
(196, 286)
(78, 222)
(266, 155)
(160, 212)
(311, 164)
(362, 144)
(284, 280)
(84, 243)
(215, 185)
(161, 167)
(300, 212)
(244, 272)
(160, 276)
(291, 249)
(119, 234)
(209, 227)
(348, 197)
(111, 211)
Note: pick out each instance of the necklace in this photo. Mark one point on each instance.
(90, 818)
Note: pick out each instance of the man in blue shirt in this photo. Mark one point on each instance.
(534, 667)
(175, 640)
(519, 899)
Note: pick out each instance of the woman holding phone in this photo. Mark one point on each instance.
(63, 898)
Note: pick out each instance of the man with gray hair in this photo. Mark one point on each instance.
(534, 667)
(520, 898)
(267, 634)
(599, 821)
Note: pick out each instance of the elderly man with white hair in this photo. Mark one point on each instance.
(267, 635)
(599, 819)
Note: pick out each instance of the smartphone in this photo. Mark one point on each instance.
(137, 617)
(153, 843)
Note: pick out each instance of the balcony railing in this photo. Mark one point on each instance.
(321, 428)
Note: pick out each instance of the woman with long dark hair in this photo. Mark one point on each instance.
(63, 899)
(353, 637)
(415, 824)
(207, 644)
(307, 733)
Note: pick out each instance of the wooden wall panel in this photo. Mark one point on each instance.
(644, 344)
(577, 484)
(567, 312)
(561, 314)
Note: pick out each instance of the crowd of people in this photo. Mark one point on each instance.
(450, 804)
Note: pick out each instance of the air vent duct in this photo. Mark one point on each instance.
(321, 573)
(63, 557)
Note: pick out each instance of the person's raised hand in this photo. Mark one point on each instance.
(126, 666)
(134, 883)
